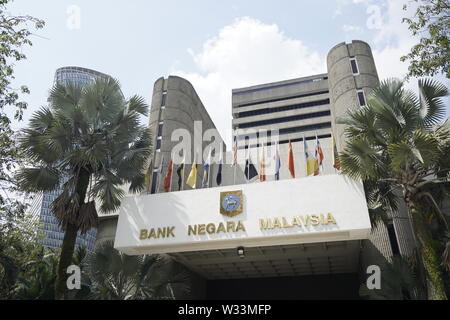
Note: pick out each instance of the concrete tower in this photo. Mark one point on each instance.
(351, 77)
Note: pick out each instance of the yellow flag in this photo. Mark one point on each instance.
(311, 162)
(147, 177)
(192, 178)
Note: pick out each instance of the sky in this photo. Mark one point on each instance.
(216, 45)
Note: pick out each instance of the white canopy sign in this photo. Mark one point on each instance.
(305, 210)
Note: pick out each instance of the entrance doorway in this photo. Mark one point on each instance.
(325, 287)
(325, 270)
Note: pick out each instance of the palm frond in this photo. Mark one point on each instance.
(107, 189)
(137, 104)
(360, 161)
(64, 97)
(87, 217)
(38, 179)
(431, 103)
(41, 120)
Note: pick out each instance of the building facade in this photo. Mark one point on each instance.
(53, 235)
(256, 249)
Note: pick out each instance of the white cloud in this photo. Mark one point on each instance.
(390, 39)
(247, 52)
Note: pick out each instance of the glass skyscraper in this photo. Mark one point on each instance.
(53, 234)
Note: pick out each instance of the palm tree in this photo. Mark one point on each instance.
(398, 147)
(116, 276)
(89, 142)
(19, 243)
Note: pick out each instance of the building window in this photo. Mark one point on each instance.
(163, 99)
(158, 143)
(354, 66)
(160, 127)
(361, 98)
(283, 108)
(282, 131)
(284, 119)
(154, 181)
(393, 239)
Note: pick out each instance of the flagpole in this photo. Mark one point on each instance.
(304, 152)
(247, 165)
(182, 173)
(209, 175)
(235, 167)
(234, 154)
(182, 178)
(332, 150)
(158, 178)
(208, 180)
(317, 151)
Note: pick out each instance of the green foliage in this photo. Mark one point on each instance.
(89, 133)
(111, 275)
(14, 36)
(396, 132)
(19, 244)
(37, 281)
(431, 23)
(17, 238)
(398, 282)
(398, 146)
(434, 273)
(89, 141)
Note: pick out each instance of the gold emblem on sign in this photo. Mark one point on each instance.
(231, 203)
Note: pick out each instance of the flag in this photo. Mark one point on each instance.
(262, 167)
(335, 155)
(235, 150)
(192, 178)
(319, 156)
(250, 170)
(180, 173)
(206, 165)
(159, 174)
(291, 166)
(148, 176)
(277, 164)
(219, 173)
(168, 179)
(311, 162)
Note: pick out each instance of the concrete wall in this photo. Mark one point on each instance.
(376, 250)
(343, 84)
(287, 93)
(181, 109)
(107, 226)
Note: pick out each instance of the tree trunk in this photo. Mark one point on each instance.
(428, 257)
(65, 260)
(70, 237)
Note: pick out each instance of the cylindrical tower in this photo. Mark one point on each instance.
(351, 76)
(176, 105)
(53, 234)
(78, 75)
